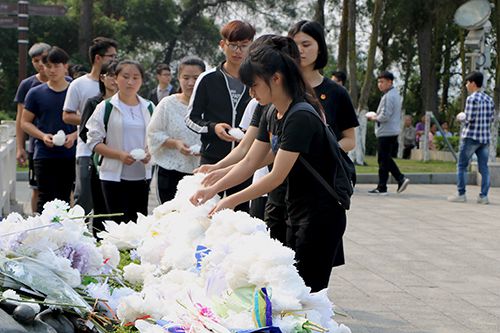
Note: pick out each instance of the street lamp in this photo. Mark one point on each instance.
(473, 16)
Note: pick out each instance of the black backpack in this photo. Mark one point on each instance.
(341, 184)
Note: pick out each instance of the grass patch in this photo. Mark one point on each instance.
(409, 166)
(24, 168)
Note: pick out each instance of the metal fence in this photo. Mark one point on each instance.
(7, 166)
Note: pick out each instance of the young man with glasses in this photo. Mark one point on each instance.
(220, 98)
(164, 87)
(102, 51)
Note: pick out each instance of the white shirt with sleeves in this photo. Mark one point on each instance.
(111, 169)
(244, 124)
(79, 91)
(168, 122)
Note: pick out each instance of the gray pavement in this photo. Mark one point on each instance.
(415, 262)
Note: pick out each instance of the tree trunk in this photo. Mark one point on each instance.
(445, 79)
(351, 35)
(496, 96)
(342, 56)
(365, 90)
(428, 75)
(372, 49)
(319, 12)
(85, 30)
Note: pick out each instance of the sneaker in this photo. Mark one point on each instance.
(403, 185)
(457, 198)
(482, 200)
(378, 191)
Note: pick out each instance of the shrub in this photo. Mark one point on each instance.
(441, 144)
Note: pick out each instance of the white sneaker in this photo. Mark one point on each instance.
(457, 198)
(482, 200)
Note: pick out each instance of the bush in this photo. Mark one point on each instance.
(441, 144)
(5, 116)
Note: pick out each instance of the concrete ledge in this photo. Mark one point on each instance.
(22, 176)
(494, 173)
(420, 178)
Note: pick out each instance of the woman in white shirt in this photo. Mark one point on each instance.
(125, 176)
(169, 139)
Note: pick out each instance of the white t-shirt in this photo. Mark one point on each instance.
(244, 124)
(79, 91)
(135, 129)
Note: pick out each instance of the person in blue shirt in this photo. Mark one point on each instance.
(42, 118)
(476, 136)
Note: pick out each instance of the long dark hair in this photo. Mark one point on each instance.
(273, 54)
(315, 30)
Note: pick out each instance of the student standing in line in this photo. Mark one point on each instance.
(36, 53)
(168, 138)
(318, 221)
(124, 180)
(220, 98)
(42, 119)
(107, 88)
(102, 51)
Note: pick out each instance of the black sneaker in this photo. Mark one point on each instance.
(378, 191)
(403, 184)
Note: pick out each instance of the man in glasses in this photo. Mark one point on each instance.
(220, 98)
(164, 87)
(101, 52)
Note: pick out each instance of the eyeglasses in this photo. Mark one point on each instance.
(235, 46)
(112, 56)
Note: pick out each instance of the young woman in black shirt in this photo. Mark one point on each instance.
(319, 222)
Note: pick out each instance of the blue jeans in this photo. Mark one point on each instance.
(467, 149)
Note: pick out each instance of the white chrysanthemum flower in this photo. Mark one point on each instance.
(61, 266)
(145, 327)
(130, 308)
(135, 273)
(110, 254)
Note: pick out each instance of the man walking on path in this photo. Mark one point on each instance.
(476, 135)
(387, 129)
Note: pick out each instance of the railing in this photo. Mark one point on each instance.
(424, 139)
(7, 166)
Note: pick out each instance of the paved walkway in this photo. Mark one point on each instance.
(416, 263)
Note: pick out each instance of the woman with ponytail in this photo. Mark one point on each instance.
(316, 222)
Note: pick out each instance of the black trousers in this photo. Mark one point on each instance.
(126, 196)
(99, 205)
(407, 151)
(245, 206)
(276, 217)
(167, 183)
(385, 149)
(316, 246)
(55, 178)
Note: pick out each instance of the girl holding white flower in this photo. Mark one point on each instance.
(318, 222)
(169, 139)
(124, 175)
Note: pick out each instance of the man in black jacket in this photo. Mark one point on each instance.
(220, 98)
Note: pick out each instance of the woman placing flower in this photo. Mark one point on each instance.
(168, 137)
(117, 131)
(319, 222)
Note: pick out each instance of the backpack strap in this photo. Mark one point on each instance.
(108, 107)
(303, 106)
(150, 108)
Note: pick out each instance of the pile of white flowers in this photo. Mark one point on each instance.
(58, 238)
(199, 274)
